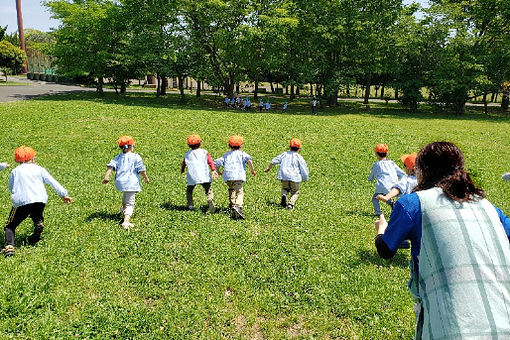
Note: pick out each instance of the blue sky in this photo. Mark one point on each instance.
(37, 16)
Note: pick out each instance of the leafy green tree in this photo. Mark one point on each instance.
(11, 57)
(89, 41)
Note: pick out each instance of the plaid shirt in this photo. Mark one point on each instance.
(464, 270)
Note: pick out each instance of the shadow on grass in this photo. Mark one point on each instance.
(401, 258)
(273, 204)
(103, 215)
(173, 207)
(300, 106)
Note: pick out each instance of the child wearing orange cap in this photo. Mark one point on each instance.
(234, 173)
(407, 183)
(292, 171)
(128, 167)
(29, 197)
(386, 173)
(198, 160)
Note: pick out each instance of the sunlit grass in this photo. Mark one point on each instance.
(311, 272)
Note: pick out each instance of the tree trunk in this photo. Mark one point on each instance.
(292, 94)
(237, 88)
(256, 92)
(286, 90)
(123, 87)
(158, 86)
(396, 94)
(272, 87)
(376, 90)
(492, 97)
(311, 89)
(348, 91)
(297, 90)
(382, 92)
(505, 100)
(199, 88)
(485, 106)
(99, 88)
(164, 85)
(367, 90)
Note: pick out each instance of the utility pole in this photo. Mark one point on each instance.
(21, 34)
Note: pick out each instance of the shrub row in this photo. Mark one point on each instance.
(47, 77)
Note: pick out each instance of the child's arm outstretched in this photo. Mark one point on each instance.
(59, 189)
(385, 198)
(106, 178)
(4, 166)
(269, 167)
(250, 165)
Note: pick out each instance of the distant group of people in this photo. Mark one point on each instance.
(245, 104)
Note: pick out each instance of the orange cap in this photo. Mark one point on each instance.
(23, 154)
(125, 140)
(409, 160)
(381, 148)
(194, 140)
(235, 140)
(295, 143)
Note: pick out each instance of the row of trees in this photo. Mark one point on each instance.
(457, 49)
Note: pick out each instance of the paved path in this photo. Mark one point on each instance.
(34, 88)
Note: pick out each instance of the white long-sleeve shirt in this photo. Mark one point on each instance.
(26, 183)
(292, 167)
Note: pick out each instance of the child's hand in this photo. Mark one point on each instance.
(106, 180)
(214, 175)
(253, 173)
(67, 199)
(381, 224)
(147, 180)
(381, 198)
(267, 169)
(7, 165)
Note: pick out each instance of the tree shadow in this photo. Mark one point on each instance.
(173, 207)
(359, 213)
(401, 259)
(103, 215)
(300, 106)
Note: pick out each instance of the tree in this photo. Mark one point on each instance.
(11, 57)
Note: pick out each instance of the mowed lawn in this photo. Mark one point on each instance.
(308, 273)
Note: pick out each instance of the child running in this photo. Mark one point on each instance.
(234, 173)
(128, 167)
(386, 173)
(197, 160)
(29, 197)
(292, 171)
(406, 184)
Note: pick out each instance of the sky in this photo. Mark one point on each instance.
(37, 16)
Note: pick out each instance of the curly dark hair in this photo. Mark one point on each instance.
(441, 164)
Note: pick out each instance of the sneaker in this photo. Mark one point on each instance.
(283, 202)
(238, 212)
(290, 207)
(404, 245)
(127, 225)
(8, 251)
(34, 238)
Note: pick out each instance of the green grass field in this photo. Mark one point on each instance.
(308, 273)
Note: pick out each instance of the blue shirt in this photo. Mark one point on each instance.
(387, 173)
(198, 169)
(233, 163)
(406, 221)
(26, 183)
(127, 167)
(292, 167)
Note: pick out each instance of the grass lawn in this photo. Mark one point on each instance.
(12, 83)
(308, 273)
